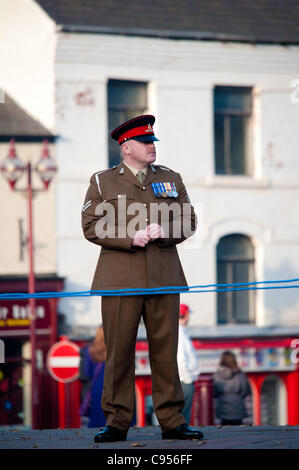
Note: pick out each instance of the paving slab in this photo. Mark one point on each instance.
(215, 437)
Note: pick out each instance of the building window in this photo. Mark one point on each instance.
(126, 99)
(232, 130)
(273, 401)
(235, 264)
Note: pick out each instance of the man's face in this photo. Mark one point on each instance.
(184, 320)
(139, 154)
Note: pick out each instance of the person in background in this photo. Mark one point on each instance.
(83, 378)
(230, 387)
(187, 362)
(92, 366)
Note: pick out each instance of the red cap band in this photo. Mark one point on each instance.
(136, 131)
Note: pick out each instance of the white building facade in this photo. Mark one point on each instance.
(65, 82)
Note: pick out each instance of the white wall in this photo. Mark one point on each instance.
(182, 75)
(14, 206)
(61, 80)
(27, 51)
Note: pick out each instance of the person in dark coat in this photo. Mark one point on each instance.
(230, 387)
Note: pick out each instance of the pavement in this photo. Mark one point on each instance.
(148, 438)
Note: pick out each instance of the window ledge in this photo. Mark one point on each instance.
(238, 181)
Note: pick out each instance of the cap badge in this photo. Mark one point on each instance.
(149, 128)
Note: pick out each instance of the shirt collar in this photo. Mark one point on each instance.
(134, 169)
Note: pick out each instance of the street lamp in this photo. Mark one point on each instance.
(12, 169)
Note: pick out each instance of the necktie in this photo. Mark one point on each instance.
(140, 176)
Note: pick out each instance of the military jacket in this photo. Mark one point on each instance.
(116, 206)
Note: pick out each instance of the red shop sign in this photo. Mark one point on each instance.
(15, 315)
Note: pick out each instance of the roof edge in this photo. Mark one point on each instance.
(28, 138)
(168, 34)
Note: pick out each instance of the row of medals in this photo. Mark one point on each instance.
(172, 193)
(164, 190)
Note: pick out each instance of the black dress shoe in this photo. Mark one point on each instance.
(110, 434)
(182, 432)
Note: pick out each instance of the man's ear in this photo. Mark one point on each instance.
(125, 148)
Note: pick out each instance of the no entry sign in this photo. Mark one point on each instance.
(63, 361)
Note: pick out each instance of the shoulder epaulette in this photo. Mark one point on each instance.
(164, 168)
(96, 175)
(104, 171)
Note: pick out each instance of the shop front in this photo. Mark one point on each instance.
(269, 362)
(15, 371)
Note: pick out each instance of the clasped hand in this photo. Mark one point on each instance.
(150, 233)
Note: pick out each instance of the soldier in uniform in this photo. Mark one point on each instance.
(139, 255)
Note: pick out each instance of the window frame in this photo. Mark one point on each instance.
(228, 113)
(127, 108)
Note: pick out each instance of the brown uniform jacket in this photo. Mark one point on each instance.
(121, 265)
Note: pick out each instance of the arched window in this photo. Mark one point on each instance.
(235, 264)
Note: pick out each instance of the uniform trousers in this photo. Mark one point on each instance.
(121, 316)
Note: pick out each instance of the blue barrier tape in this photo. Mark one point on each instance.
(153, 291)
